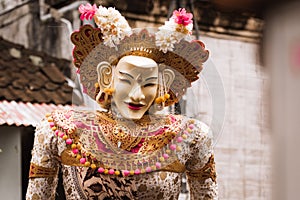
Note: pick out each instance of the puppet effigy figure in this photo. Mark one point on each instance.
(127, 151)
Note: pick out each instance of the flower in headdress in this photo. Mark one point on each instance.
(113, 25)
(165, 40)
(177, 28)
(87, 11)
(181, 17)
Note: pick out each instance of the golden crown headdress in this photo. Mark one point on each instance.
(113, 39)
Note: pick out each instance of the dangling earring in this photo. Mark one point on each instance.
(109, 91)
(103, 97)
(163, 95)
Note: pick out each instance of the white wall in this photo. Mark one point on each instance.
(243, 147)
(10, 165)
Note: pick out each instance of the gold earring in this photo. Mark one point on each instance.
(109, 91)
(162, 91)
(102, 97)
(162, 99)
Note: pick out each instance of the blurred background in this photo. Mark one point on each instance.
(249, 91)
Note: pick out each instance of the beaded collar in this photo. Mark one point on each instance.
(135, 136)
(91, 142)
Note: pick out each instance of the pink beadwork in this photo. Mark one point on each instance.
(69, 141)
(148, 169)
(126, 172)
(137, 171)
(61, 134)
(158, 165)
(56, 132)
(191, 126)
(173, 147)
(179, 139)
(82, 160)
(165, 155)
(111, 171)
(100, 170)
(51, 124)
(75, 151)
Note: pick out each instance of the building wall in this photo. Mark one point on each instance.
(23, 25)
(243, 146)
(10, 166)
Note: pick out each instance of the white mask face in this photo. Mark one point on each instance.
(135, 82)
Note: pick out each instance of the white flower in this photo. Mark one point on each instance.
(171, 33)
(165, 40)
(170, 25)
(113, 25)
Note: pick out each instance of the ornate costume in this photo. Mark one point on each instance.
(126, 152)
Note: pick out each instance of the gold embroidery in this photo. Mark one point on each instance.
(208, 171)
(176, 167)
(67, 158)
(120, 136)
(157, 142)
(96, 150)
(36, 171)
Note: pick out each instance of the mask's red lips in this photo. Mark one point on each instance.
(134, 106)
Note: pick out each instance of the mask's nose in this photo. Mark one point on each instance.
(136, 94)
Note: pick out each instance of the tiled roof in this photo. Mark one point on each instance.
(26, 114)
(30, 76)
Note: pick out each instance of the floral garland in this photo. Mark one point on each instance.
(114, 26)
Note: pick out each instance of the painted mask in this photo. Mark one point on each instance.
(135, 82)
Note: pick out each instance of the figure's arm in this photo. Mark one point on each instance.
(44, 164)
(201, 174)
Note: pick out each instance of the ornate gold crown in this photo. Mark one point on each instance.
(183, 57)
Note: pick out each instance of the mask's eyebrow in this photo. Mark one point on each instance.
(124, 73)
(150, 78)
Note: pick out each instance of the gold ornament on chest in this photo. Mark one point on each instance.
(150, 144)
(140, 136)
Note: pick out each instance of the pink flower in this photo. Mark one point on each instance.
(182, 17)
(87, 11)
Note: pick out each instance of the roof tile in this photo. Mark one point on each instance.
(29, 76)
(22, 96)
(6, 93)
(51, 86)
(35, 85)
(41, 95)
(53, 74)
